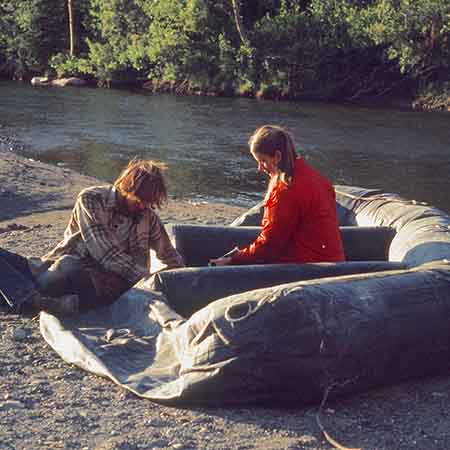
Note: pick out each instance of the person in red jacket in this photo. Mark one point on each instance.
(300, 223)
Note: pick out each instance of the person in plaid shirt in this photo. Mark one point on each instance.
(107, 242)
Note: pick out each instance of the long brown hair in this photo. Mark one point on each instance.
(140, 172)
(267, 140)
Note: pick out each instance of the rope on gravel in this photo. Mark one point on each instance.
(329, 439)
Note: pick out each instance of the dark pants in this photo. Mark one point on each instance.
(17, 284)
(65, 276)
(18, 262)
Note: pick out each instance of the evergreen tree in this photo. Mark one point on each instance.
(330, 49)
(31, 30)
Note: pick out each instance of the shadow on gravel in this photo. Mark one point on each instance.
(401, 417)
(14, 205)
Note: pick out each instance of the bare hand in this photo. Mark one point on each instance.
(224, 261)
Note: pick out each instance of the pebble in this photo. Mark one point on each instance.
(160, 443)
(156, 423)
(11, 404)
(306, 439)
(19, 334)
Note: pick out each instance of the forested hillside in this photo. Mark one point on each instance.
(352, 50)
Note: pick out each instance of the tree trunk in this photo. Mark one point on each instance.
(238, 19)
(72, 37)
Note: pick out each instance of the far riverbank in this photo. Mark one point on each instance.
(436, 99)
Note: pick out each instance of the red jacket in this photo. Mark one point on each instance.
(299, 223)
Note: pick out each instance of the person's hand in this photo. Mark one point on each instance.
(224, 261)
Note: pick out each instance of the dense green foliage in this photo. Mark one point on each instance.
(330, 49)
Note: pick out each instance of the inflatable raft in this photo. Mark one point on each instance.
(280, 333)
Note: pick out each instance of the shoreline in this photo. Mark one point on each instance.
(46, 403)
(36, 195)
(424, 102)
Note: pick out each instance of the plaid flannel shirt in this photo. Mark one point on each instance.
(100, 235)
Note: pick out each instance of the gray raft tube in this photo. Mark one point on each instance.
(380, 231)
(192, 288)
(421, 231)
(200, 243)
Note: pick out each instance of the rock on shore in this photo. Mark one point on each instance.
(59, 82)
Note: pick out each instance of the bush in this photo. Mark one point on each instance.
(65, 66)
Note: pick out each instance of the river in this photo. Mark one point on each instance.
(204, 139)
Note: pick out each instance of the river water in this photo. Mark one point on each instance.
(204, 139)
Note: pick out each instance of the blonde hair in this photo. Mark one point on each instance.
(139, 172)
(267, 140)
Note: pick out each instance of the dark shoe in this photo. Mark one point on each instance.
(67, 305)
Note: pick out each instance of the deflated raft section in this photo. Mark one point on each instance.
(345, 327)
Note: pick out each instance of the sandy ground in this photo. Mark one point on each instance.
(48, 404)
